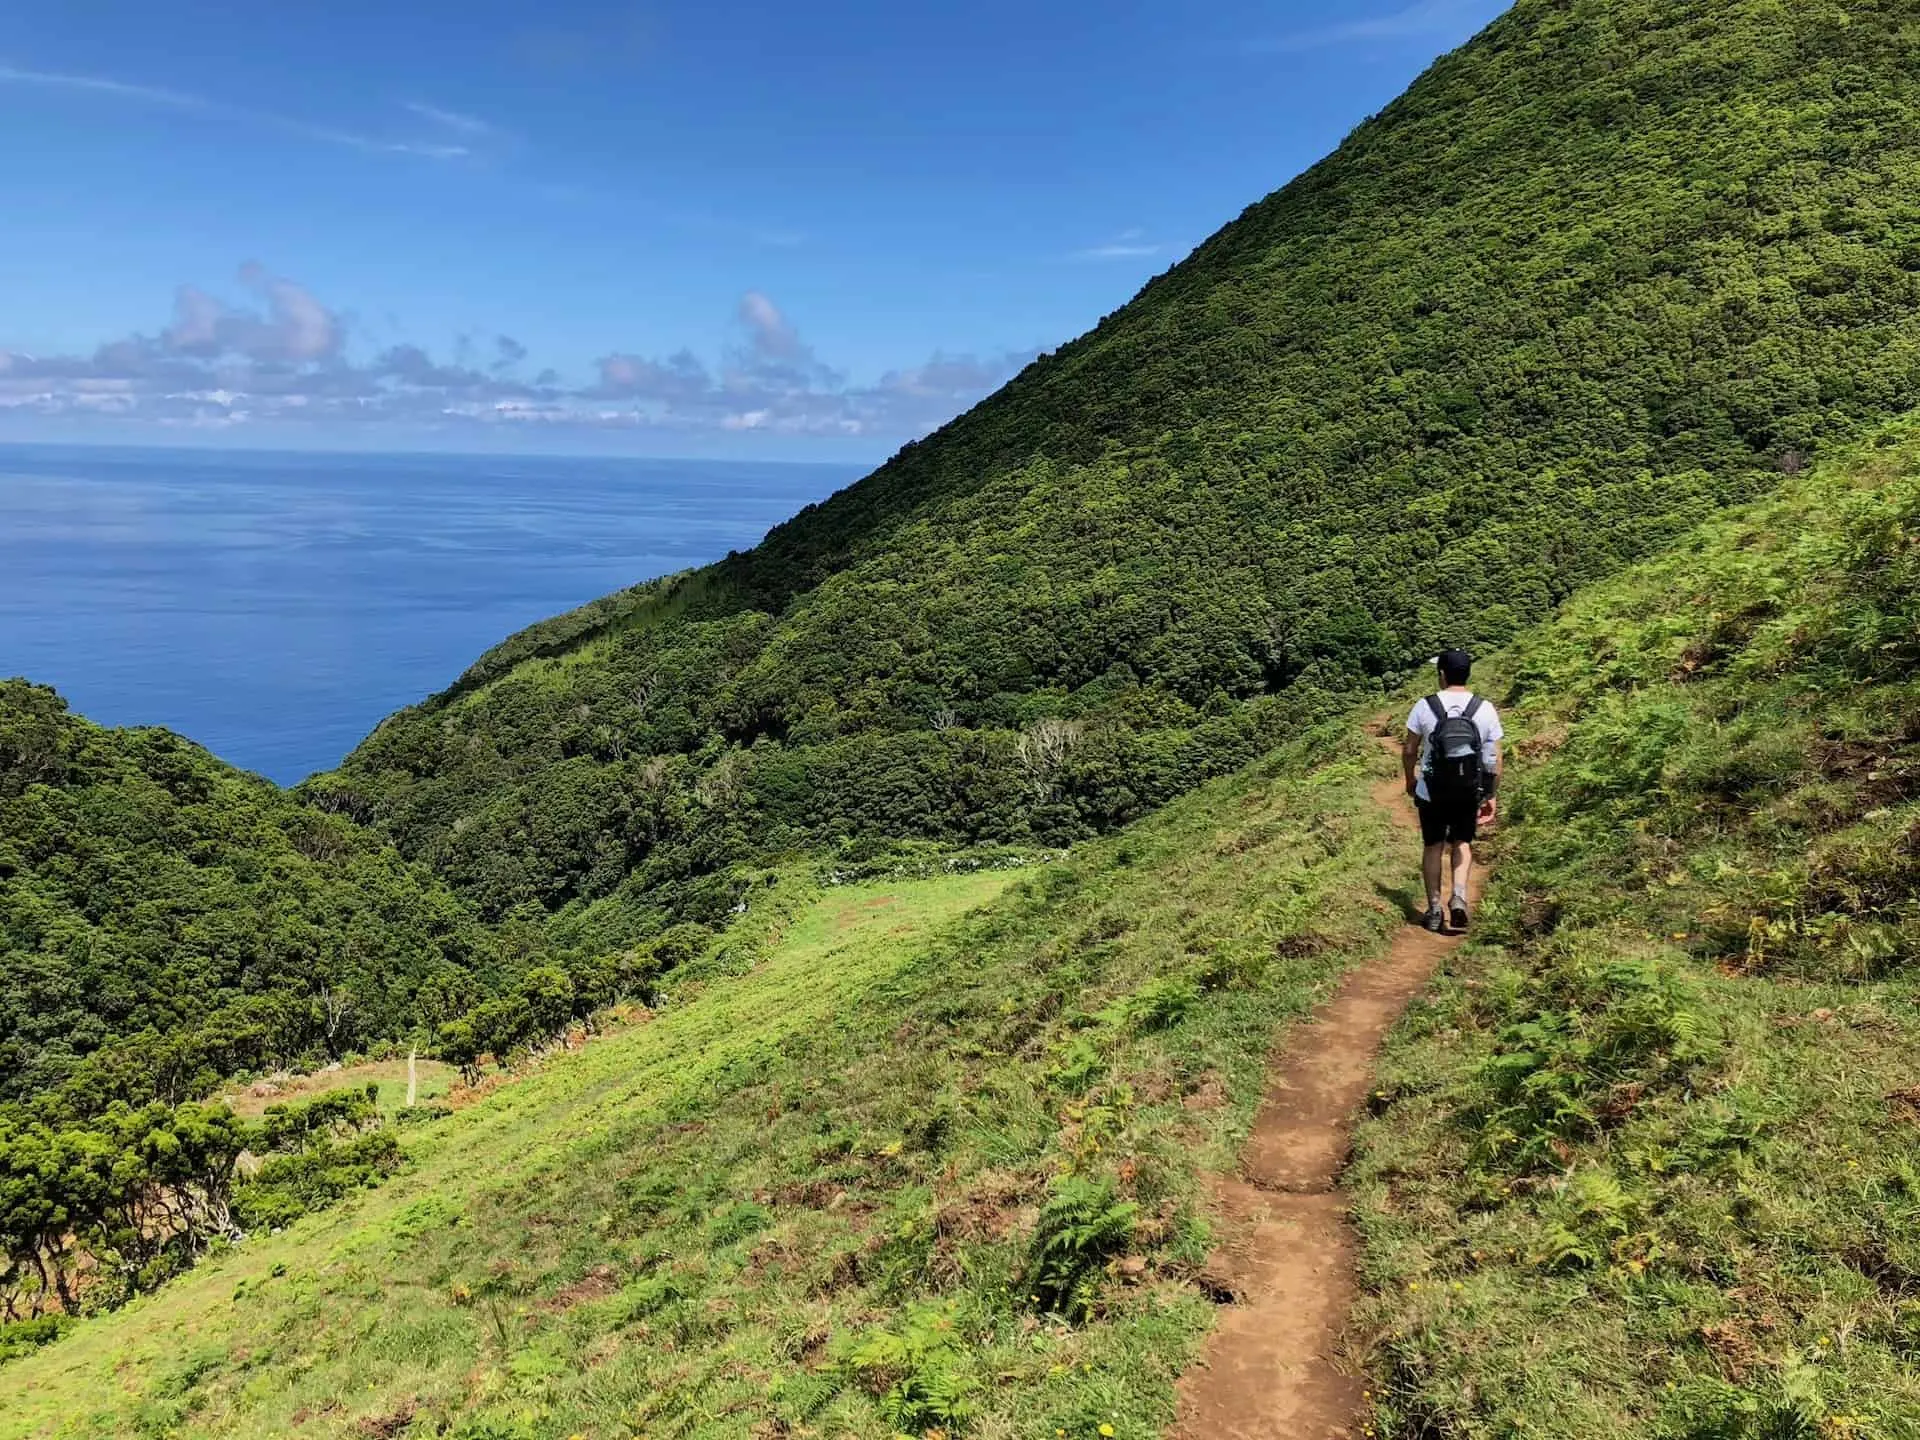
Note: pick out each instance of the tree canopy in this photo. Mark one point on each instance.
(166, 920)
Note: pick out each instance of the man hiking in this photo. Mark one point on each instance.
(1451, 761)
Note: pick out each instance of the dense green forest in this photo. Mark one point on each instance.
(1611, 265)
(167, 920)
(94, 1211)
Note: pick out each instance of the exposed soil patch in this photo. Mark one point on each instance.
(385, 1427)
(596, 1284)
(1270, 1370)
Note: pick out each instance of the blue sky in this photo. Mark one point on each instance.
(674, 228)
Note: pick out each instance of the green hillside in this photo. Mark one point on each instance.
(929, 1156)
(1610, 266)
(1649, 1164)
(167, 920)
(925, 1155)
(1599, 350)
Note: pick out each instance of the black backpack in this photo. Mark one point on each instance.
(1453, 753)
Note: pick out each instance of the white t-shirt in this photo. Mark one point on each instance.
(1423, 722)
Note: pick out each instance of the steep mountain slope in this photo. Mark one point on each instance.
(1611, 265)
(166, 920)
(1649, 1163)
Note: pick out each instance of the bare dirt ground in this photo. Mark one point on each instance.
(1270, 1371)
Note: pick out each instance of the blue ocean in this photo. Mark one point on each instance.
(274, 607)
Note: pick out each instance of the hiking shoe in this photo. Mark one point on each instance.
(1460, 917)
(1435, 919)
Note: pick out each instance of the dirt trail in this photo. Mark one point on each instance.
(1269, 1371)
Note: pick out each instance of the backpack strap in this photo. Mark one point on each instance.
(1473, 709)
(1439, 708)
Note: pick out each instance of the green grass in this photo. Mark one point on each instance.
(805, 1197)
(433, 1081)
(1643, 1167)
(928, 1156)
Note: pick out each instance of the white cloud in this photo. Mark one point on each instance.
(1422, 20)
(353, 140)
(99, 85)
(772, 337)
(296, 328)
(282, 354)
(1127, 245)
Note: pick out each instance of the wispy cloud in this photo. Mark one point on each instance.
(1422, 20)
(1127, 245)
(99, 85)
(354, 140)
(452, 119)
(1118, 250)
(109, 88)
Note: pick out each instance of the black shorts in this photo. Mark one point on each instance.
(1451, 822)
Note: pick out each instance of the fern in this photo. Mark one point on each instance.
(914, 1371)
(1567, 1249)
(1082, 1226)
(1080, 1063)
(1157, 1005)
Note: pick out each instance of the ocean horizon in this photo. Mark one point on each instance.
(275, 606)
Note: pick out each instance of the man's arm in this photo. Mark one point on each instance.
(1410, 760)
(1490, 801)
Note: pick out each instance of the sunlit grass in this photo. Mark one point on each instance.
(1647, 1168)
(367, 1257)
(433, 1081)
(710, 1224)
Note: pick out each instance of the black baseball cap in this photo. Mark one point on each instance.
(1454, 662)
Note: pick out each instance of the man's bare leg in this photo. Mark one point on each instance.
(1430, 862)
(1462, 875)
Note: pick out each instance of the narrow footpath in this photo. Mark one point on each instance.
(1270, 1370)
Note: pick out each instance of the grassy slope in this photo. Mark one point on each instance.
(1639, 1171)
(679, 1231)
(433, 1082)
(1647, 1165)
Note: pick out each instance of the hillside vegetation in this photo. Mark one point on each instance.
(899, 1156)
(1610, 266)
(167, 920)
(912, 1132)
(1649, 1165)
(929, 1155)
